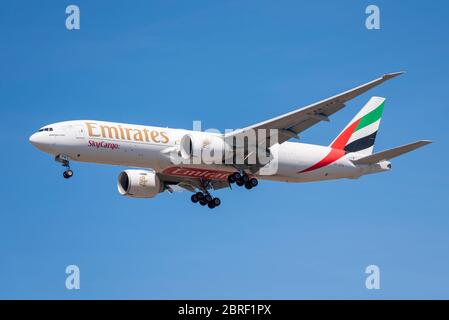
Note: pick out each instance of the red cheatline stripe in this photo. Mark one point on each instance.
(332, 156)
(344, 137)
(337, 148)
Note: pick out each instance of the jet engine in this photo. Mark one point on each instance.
(208, 148)
(139, 184)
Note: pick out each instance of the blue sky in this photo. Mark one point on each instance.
(228, 64)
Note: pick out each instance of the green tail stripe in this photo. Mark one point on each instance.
(371, 117)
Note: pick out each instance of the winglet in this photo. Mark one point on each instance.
(392, 75)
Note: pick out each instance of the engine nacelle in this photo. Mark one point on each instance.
(207, 148)
(139, 184)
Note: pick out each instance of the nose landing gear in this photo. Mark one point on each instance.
(67, 174)
(65, 160)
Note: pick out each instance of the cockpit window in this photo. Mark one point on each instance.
(45, 129)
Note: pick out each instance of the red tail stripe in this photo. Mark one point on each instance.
(332, 156)
(344, 137)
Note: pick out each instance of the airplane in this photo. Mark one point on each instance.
(175, 155)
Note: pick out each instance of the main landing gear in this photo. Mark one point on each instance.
(205, 199)
(242, 179)
(68, 173)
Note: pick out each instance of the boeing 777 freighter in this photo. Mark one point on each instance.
(162, 158)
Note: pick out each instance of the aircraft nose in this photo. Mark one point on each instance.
(41, 141)
(34, 139)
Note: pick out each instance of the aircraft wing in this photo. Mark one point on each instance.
(191, 184)
(289, 125)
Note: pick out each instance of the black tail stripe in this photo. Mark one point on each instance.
(362, 143)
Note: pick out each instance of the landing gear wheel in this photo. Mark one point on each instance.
(211, 204)
(231, 179)
(199, 195)
(194, 198)
(245, 178)
(253, 182)
(68, 174)
(248, 186)
(239, 182)
(216, 201)
(208, 198)
(203, 202)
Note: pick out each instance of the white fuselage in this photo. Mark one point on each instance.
(148, 147)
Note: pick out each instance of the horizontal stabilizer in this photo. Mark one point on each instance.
(392, 153)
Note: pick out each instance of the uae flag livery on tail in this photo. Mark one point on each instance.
(360, 134)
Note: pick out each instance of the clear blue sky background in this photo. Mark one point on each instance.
(229, 64)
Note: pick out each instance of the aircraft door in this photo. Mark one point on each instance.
(78, 131)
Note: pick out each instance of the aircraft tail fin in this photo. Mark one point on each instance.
(360, 134)
(391, 153)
